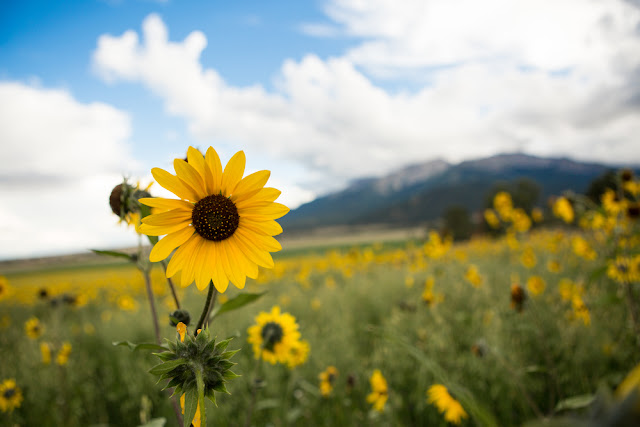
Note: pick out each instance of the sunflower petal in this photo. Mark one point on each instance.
(272, 211)
(205, 276)
(213, 161)
(174, 184)
(190, 175)
(166, 245)
(264, 195)
(167, 218)
(261, 241)
(251, 183)
(196, 159)
(260, 257)
(233, 173)
(181, 256)
(152, 230)
(192, 264)
(237, 264)
(224, 261)
(269, 227)
(220, 281)
(168, 204)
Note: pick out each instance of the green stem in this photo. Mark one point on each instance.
(152, 304)
(171, 286)
(254, 389)
(212, 291)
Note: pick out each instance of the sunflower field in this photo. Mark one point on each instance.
(528, 324)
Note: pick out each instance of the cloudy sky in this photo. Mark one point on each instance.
(317, 92)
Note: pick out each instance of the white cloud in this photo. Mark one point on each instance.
(60, 160)
(492, 85)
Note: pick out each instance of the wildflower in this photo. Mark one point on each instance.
(124, 202)
(537, 215)
(554, 266)
(503, 204)
(536, 285)
(518, 297)
(473, 276)
(222, 225)
(127, 303)
(446, 404)
(327, 377)
(580, 310)
(436, 247)
(316, 304)
(624, 269)
(491, 218)
(45, 351)
(10, 395)
(562, 209)
(33, 328)
(528, 258)
(298, 353)
(63, 355)
(582, 248)
(273, 336)
(179, 316)
(4, 287)
(520, 219)
(380, 391)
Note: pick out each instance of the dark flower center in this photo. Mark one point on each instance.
(622, 268)
(271, 334)
(9, 393)
(215, 217)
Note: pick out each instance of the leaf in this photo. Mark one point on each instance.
(156, 422)
(235, 303)
(267, 404)
(190, 406)
(166, 367)
(141, 346)
(575, 402)
(113, 254)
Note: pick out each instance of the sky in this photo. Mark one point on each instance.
(318, 92)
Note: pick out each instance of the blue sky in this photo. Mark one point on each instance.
(317, 92)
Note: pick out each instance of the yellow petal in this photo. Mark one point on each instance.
(181, 256)
(167, 218)
(233, 173)
(260, 257)
(151, 230)
(174, 184)
(268, 228)
(251, 183)
(263, 195)
(220, 279)
(261, 241)
(224, 261)
(166, 245)
(192, 265)
(213, 161)
(208, 254)
(190, 175)
(272, 211)
(168, 204)
(237, 264)
(196, 159)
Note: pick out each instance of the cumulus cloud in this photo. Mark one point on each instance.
(542, 78)
(60, 160)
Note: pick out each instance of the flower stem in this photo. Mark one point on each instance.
(152, 304)
(200, 386)
(171, 286)
(210, 296)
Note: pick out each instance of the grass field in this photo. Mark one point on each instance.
(422, 313)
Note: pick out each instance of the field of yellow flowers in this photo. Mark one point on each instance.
(532, 324)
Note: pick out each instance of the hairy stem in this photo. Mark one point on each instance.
(210, 296)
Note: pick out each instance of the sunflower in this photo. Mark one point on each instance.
(274, 336)
(33, 328)
(63, 355)
(10, 395)
(298, 354)
(446, 404)
(380, 391)
(536, 285)
(327, 378)
(4, 287)
(45, 350)
(223, 225)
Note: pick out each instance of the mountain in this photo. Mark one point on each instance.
(422, 192)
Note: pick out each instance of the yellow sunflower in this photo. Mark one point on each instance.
(446, 404)
(274, 336)
(33, 328)
(327, 378)
(10, 396)
(223, 225)
(380, 391)
(4, 287)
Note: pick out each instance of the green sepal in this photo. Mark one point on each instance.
(203, 338)
(222, 345)
(225, 364)
(141, 346)
(190, 406)
(212, 397)
(173, 383)
(221, 388)
(165, 367)
(166, 355)
(230, 375)
(229, 354)
(177, 391)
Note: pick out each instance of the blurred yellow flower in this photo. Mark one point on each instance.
(536, 285)
(33, 328)
(63, 355)
(273, 336)
(528, 258)
(491, 218)
(446, 404)
(473, 276)
(10, 395)
(562, 209)
(380, 391)
(327, 377)
(45, 351)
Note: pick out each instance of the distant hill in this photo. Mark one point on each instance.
(422, 192)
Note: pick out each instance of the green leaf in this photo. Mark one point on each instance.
(235, 303)
(156, 422)
(575, 402)
(141, 346)
(166, 367)
(113, 254)
(267, 404)
(190, 406)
